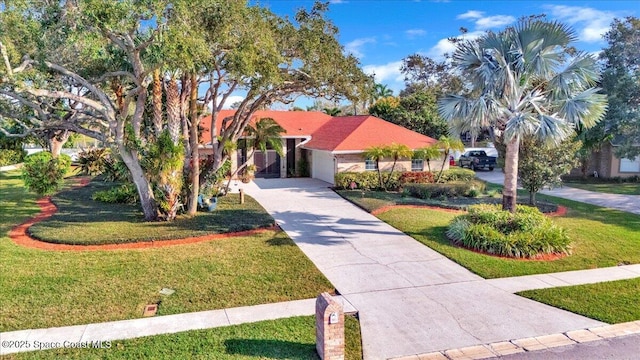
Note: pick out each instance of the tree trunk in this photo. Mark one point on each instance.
(532, 198)
(444, 161)
(156, 101)
(147, 201)
(193, 144)
(56, 141)
(173, 110)
(510, 190)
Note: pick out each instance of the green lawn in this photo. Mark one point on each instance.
(611, 302)
(81, 220)
(601, 237)
(292, 338)
(606, 187)
(55, 288)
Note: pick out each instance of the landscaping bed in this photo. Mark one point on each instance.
(83, 221)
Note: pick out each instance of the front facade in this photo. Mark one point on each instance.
(605, 164)
(318, 145)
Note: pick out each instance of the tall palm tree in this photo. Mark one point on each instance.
(522, 85)
(427, 153)
(377, 154)
(334, 111)
(380, 91)
(397, 152)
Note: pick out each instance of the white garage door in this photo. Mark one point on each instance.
(322, 166)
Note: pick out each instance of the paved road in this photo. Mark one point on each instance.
(628, 203)
(411, 300)
(620, 348)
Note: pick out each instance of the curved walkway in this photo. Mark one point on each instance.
(410, 299)
(20, 234)
(628, 203)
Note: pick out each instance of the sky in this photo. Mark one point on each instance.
(382, 32)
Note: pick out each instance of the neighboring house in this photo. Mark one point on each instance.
(327, 144)
(605, 163)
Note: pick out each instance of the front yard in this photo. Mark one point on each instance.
(604, 186)
(58, 288)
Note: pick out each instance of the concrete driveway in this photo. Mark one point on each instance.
(628, 203)
(410, 299)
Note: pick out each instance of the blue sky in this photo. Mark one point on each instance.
(381, 33)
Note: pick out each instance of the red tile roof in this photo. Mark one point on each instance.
(341, 133)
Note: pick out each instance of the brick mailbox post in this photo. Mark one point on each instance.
(329, 328)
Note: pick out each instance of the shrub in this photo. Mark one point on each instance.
(367, 180)
(93, 161)
(452, 189)
(115, 169)
(43, 174)
(526, 233)
(457, 174)
(123, 194)
(10, 157)
(416, 177)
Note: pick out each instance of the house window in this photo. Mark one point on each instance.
(417, 165)
(629, 165)
(370, 165)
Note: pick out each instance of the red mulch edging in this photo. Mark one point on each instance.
(561, 211)
(20, 234)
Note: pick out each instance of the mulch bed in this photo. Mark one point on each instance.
(20, 234)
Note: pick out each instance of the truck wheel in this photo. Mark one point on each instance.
(490, 168)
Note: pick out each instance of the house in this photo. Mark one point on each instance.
(326, 145)
(606, 164)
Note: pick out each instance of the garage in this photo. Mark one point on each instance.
(322, 166)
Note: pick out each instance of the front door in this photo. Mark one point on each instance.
(267, 164)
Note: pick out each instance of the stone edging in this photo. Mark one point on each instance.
(20, 235)
(561, 211)
(503, 348)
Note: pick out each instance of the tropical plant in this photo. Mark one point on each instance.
(397, 152)
(427, 153)
(380, 91)
(377, 154)
(334, 111)
(43, 174)
(93, 161)
(523, 86)
(447, 145)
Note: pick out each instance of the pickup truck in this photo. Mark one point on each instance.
(477, 159)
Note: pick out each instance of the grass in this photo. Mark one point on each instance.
(292, 338)
(611, 302)
(54, 288)
(606, 187)
(81, 220)
(601, 237)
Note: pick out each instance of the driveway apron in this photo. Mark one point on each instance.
(410, 299)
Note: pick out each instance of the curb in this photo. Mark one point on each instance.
(503, 348)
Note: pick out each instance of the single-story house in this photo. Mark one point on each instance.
(326, 145)
(606, 164)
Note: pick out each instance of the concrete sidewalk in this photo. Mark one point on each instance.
(167, 324)
(410, 299)
(628, 203)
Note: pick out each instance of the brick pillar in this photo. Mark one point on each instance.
(329, 328)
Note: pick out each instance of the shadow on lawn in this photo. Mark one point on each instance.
(271, 349)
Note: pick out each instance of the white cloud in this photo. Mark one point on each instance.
(337, 1)
(483, 22)
(230, 101)
(444, 46)
(415, 33)
(355, 47)
(471, 14)
(590, 23)
(385, 73)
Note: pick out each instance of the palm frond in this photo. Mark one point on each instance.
(584, 109)
(518, 125)
(552, 129)
(580, 74)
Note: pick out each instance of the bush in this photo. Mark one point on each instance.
(123, 194)
(10, 157)
(115, 169)
(43, 174)
(367, 180)
(457, 174)
(93, 161)
(526, 233)
(452, 189)
(416, 177)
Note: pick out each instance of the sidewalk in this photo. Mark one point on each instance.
(628, 203)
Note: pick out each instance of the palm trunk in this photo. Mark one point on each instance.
(171, 181)
(156, 101)
(510, 191)
(393, 167)
(444, 161)
(193, 145)
(380, 175)
(173, 110)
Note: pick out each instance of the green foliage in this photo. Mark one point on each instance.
(93, 161)
(43, 174)
(417, 177)
(123, 194)
(303, 167)
(543, 164)
(10, 157)
(213, 182)
(525, 233)
(163, 164)
(457, 174)
(115, 169)
(366, 180)
(448, 190)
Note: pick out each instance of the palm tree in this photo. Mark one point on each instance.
(380, 91)
(427, 153)
(447, 144)
(334, 111)
(376, 153)
(523, 86)
(397, 152)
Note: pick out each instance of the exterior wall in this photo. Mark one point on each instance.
(355, 163)
(615, 169)
(605, 163)
(322, 165)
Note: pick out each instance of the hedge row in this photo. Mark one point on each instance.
(10, 157)
(452, 189)
(368, 180)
